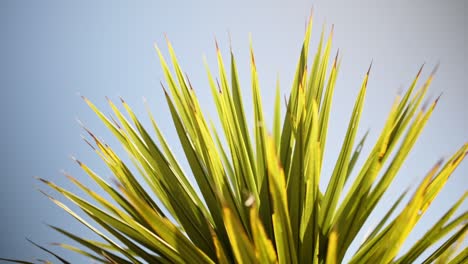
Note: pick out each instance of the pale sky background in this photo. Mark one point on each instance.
(51, 51)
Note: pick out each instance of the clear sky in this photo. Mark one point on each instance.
(51, 51)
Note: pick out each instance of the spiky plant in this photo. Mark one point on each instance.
(259, 199)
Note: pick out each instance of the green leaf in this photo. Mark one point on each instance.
(338, 177)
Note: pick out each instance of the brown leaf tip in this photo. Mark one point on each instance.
(76, 160)
(219, 86)
(118, 184)
(87, 142)
(424, 106)
(336, 58)
(47, 195)
(434, 104)
(164, 88)
(216, 44)
(188, 81)
(370, 67)
(71, 178)
(434, 71)
(420, 70)
(252, 57)
(438, 98)
(43, 180)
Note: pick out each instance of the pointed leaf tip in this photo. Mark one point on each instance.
(164, 88)
(119, 185)
(188, 80)
(434, 71)
(76, 160)
(252, 57)
(80, 123)
(216, 44)
(230, 40)
(336, 58)
(71, 178)
(219, 86)
(439, 162)
(156, 47)
(88, 143)
(46, 194)
(425, 104)
(438, 98)
(420, 70)
(370, 67)
(43, 180)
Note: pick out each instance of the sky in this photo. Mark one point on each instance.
(54, 51)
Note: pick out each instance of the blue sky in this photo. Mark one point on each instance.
(54, 51)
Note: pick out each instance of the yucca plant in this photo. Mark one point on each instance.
(258, 198)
